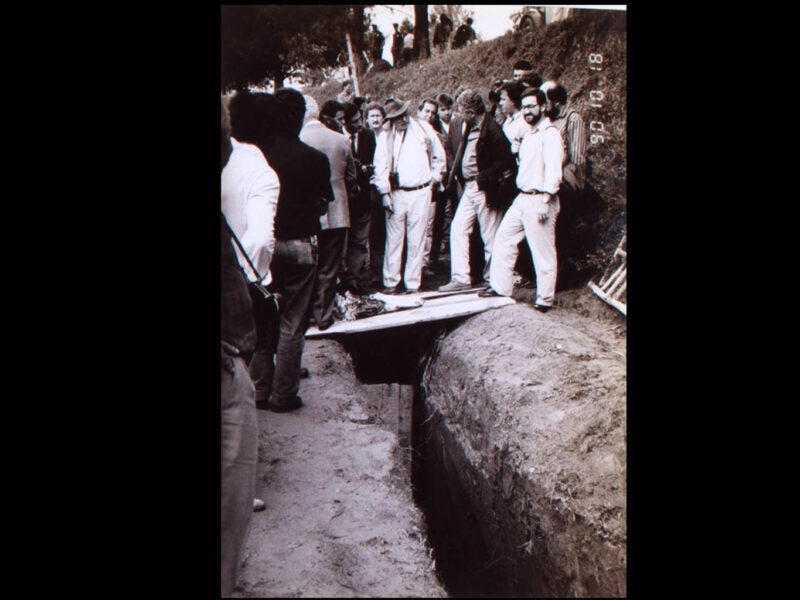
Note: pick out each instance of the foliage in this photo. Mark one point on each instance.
(270, 41)
(458, 13)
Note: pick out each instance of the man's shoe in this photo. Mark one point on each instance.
(488, 293)
(454, 286)
(541, 308)
(258, 505)
(304, 374)
(391, 290)
(325, 325)
(291, 405)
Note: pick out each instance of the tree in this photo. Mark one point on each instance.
(422, 41)
(271, 41)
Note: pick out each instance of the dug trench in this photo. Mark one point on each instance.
(477, 457)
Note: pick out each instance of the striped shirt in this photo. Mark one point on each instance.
(573, 131)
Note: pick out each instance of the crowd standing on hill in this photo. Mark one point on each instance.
(364, 197)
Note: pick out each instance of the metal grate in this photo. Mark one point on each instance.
(614, 281)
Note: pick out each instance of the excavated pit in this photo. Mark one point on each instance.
(517, 454)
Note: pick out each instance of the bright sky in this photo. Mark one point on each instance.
(490, 20)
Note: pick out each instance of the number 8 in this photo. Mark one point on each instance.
(596, 58)
(596, 126)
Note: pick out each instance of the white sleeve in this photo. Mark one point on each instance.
(553, 153)
(262, 203)
(381, 177)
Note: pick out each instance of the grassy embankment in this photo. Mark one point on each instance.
(562, 51)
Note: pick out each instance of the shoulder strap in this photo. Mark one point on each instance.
(239, 244)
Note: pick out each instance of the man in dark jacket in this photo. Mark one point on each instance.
(483, 155)
(304, 176)
(362, 144)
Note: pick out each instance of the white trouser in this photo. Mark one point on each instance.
(471, 206)
(426, 254)
(409, 220)
(521, 221)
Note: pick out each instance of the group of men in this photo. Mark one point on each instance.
(318, 200)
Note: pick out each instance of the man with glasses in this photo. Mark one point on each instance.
(483, 154)
(409, 160)
(533, 213)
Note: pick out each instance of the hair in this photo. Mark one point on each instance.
(514, 91)
(445, 101)
(532, 79)
(350, 109)
(292, 109)
(375, 106)
(253, 116)
(494, 96)
(330, 108)
(557, 94)
(469, 20)
(225, 131)
(522, 65)
(428, 101)
(541, 99)
(345, 83)
(472, 99)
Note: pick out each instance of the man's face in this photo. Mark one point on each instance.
(445, 113)
(354, 124)
(469, 114)
(401, 122)
(339, 118)
(518, 73)
(531, 110)
(506, 105)
(428, 112)
(375, 119)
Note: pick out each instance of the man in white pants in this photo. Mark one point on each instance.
(409, 158)
(534, 211)
(483, 154)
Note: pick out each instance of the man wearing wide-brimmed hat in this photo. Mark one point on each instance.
(409, 160)
(483, 155)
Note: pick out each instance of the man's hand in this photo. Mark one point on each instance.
(543, 209)
(387, 202)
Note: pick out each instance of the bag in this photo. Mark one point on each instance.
(266, 308)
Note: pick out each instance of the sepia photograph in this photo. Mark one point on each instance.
(423, 301)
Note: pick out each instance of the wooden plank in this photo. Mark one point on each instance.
(432, 309)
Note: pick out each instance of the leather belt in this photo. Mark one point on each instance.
(468, 179)
(413, 189)
(531, 192)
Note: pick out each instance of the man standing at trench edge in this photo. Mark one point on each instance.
(533, 213)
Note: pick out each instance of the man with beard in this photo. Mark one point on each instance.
(377, 218)
(483, 155)
(533, 213)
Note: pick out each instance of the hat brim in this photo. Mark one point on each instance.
(399, 112)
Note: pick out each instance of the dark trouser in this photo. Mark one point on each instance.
(377, 236)
(357, 257)
(445, 209)
(294, 269)
(331, 252)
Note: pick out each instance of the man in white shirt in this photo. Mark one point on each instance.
(409, 159)
(533, 213)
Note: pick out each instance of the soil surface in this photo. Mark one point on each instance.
(340, 518)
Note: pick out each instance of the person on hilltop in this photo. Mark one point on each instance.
(483, 155)
(409, 159)
(376, 42)
(465, 35)
(533, 213)
(397, 45)
(441, 33)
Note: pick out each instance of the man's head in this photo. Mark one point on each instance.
(397, 113)
(532, 79)
(226, 133)
(253, 116)
(533, 105)
(332, 115)
(556, 96)
(470, 104)
(469, 20)
(375, 116)
(520, 68)
(510, 97)
(352, 117)
(395, 25)
(428, 109)
(374, 27)
(291, 106)
(445, 107)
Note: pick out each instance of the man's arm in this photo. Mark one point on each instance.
(553, 154)
(262, 203)
(350, 173)
(502, 159)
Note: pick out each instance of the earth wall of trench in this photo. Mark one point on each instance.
(524, 455)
